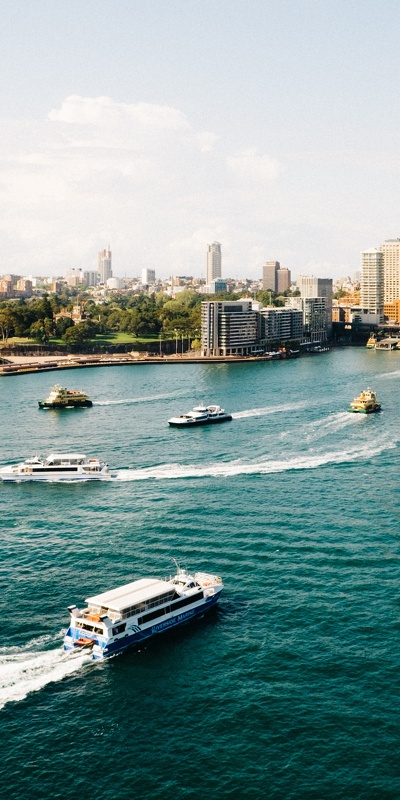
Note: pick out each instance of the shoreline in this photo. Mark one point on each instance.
(22, 365)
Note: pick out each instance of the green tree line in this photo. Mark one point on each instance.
(141, 316)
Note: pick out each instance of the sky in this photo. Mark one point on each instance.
(158, 126)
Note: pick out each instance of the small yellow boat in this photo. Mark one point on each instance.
(365, 403)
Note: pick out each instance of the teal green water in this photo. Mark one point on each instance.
(290, 689)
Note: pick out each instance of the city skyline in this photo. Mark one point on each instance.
(185, 134)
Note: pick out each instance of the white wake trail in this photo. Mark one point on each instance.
(261, 412)
(24, 671)
(132, 400)
(232, 468)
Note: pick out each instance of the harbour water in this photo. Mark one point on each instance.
(290, 688)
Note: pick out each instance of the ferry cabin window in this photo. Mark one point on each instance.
(92, 628)
(153, 615)
(118, 629)
(147, 604)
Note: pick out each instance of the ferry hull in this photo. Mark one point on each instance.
(18, 477)
(364, 410)
(102, 650)
(70, 404)
(194, 424)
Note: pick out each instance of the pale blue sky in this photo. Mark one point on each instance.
(160, 125)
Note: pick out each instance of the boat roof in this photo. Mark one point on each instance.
(130, 594)
(65, 455)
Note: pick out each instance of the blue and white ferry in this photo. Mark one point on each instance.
(114, 620)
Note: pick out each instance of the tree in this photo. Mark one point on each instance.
(62, 325)
(6, 323)
(39, 331)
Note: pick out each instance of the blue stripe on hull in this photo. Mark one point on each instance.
(122, 644)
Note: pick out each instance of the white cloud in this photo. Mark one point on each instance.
(139, 176)
(105, 112)
(248, 164)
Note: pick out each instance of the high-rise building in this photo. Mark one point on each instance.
(148, 276)
(372, 289)
(104, 265)
(283, 279)
(229, 328)
(391, 269)
(90, 278)
(313, 288)
(270, 278)
(213, 261)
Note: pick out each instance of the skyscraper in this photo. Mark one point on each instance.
(391, 269)
(372, 290)
(283, 279)
(313, 288)
(148, 276)
(213, 261)
(104, 265)
(270, 277)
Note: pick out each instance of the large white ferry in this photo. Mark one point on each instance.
(114, 620)
(201, 415)
(57, 467)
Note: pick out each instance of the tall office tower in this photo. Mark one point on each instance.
(270, 278)
(148, 276)
(90, 277)
(213, 261)
(391, 270)
(372, 292)
(104, 265)
(311, 287)
(283, 279)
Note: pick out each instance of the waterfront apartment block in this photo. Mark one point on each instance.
(281, 324)
(314, 314)
(315, 288)
(229, 328)
(243, 327)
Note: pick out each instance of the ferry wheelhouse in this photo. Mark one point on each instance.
(117, 619)
(57, 467)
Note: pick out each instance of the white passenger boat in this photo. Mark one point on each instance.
(201, 415)
(57, 467)
(114, 620)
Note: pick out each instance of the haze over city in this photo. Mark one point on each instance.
(158, 127)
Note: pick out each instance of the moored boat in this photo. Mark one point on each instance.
(201, 415)
(117, 619)
(57, 467)
(60, 397)
(365, 403)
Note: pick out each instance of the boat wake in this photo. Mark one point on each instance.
(326, 426)
(132, 400)
(261, 412)
(25, 670)
(394, 374)
(229, 469)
